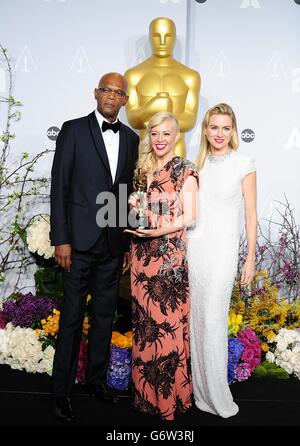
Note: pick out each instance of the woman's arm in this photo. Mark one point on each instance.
(249, 192)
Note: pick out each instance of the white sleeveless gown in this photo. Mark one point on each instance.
(213, 255)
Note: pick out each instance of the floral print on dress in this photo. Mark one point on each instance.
(161, 368)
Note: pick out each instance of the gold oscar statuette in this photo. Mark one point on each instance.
(140, 184)
(161, 83)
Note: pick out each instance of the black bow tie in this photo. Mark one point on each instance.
(108, 126)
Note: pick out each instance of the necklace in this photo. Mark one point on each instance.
(216, 159)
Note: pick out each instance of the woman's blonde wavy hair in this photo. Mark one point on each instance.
(204, 150)
(147, 160)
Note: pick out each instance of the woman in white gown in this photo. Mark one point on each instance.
(225, 177)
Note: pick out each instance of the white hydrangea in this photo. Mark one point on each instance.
(4, 350)
(46, 364)
(20, 348)
(287, 351)
(270, 357)
(38, 236)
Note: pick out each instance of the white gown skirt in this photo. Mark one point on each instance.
(211, 275)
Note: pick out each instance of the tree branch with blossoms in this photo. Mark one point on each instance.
(278, 251)
(19, 189)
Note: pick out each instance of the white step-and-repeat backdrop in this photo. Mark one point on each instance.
(246, 51)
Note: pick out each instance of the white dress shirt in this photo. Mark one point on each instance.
(111, 141)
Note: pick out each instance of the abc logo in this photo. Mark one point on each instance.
(247, 135)
(52, 133)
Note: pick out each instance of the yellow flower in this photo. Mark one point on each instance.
(264, 347)
(122, 341)
(264, 311)
(239, 319)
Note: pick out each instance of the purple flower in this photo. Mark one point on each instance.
(82, 361)
(26, 309)
(3, 320)
(235, 350)
(242, 372)
(119, 369)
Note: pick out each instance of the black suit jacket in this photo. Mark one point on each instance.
(80, 172)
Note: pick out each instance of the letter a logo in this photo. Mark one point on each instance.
(81, 63)
(25, 62)
(294, 139)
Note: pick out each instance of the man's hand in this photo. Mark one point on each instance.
(126, 262)
(62, 254)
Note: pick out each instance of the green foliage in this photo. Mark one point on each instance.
(270, 370)
(48, 282)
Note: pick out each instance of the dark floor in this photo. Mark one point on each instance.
(263, 402)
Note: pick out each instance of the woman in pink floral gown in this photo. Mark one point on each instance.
(159, 276)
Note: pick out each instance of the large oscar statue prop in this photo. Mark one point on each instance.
(161, 83)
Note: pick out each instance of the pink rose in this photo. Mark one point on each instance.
(251, 335)
(257, 350)
(248, 354)
(248, 337)
(253, 364)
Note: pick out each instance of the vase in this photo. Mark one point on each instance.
(119, 369)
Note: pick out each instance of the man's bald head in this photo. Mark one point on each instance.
(107, 78)
(111, 95)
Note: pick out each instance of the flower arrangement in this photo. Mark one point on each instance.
(286, 352)
(251, 355)
(25, 310)
(28, 333)
(48, 277)
(21, 348)
(244, 350)
(264, 310)
(38, 240)
(119, 369)
(235, 350)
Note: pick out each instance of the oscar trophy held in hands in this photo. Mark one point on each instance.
(140, 185)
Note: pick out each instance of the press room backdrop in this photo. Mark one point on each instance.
(246, 51)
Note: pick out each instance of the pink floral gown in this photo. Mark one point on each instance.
(161, 370)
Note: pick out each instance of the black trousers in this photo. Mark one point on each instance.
(97, 273)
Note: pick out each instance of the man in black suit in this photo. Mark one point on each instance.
(94, 155)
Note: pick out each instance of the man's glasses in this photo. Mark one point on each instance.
(106, 90)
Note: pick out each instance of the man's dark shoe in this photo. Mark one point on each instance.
(104, 393)
(62, 409)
